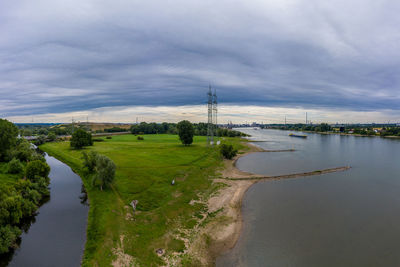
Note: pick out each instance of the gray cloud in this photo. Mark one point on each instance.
(63, 56)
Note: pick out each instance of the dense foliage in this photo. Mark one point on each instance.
(81, 138)
(227, 151)
(8, 134)
(35, 169)
(115, 130)
(19, 198)
(185, 132)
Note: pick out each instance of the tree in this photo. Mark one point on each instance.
(8, 237)
(15, 166)
(22, 151)
(52, 136)
(89, 160)
(105, 171)
(81, 138)
(8, 137)
(185, 131)
(227, 151)
(35, 169)
(325, 127)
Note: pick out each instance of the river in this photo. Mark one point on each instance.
(349, 218)
(57, 234)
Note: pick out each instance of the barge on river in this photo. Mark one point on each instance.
(298, 135)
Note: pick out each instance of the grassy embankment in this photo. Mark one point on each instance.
(145, 170)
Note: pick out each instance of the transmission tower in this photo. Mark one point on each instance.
(210, 132)
(215, 111)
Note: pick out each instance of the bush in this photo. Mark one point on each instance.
(35, 169)
(108, 137)
(15, 166)
(227, 151)
(81, 138)
(97, 139)
(140, 138)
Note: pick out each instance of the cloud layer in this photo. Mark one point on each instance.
(67, 56)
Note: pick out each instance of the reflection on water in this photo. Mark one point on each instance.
(340, 219)
(57, 234)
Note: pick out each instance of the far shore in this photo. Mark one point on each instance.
(226, 228)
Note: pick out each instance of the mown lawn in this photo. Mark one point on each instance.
(145, 170)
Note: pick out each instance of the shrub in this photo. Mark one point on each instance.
(15, 166)
(227, 151)
(97, 139)
(37, 168)
(140, 138)
(108, 137)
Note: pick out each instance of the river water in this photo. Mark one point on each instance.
(349, 218)
(57, 235)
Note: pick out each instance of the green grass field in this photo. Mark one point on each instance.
(145, 170)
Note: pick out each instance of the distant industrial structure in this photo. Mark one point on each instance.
(212, 107)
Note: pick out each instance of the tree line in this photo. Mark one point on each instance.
(23, 183)
(199, 129)
(349, 129)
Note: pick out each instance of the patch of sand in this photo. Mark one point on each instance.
(122, 259)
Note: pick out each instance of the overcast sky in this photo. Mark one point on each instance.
(118, 60)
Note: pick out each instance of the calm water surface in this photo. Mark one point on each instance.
(58, 233)
(347, 218)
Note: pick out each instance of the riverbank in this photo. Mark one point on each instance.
(168, 217)
(225, 229)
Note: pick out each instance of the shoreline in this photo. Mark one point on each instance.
(226, 228)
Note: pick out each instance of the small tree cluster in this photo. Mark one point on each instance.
(81, 138)
(227, 151)
(186, 132)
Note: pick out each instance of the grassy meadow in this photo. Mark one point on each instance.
(145, 170)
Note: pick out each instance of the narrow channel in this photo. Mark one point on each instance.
(57, 234)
